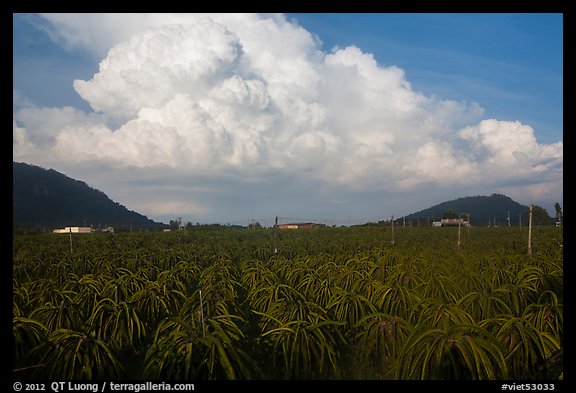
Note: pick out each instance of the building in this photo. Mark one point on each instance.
(298, 225)
(451, 222)
(73, 230)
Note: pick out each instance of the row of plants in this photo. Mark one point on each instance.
(330, 303)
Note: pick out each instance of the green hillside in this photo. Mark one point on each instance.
(47, 199)
(483, 211)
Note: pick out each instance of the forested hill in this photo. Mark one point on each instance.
(47, 199)
(484, 210)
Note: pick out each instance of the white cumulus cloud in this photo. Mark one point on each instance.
(214, 94)
(511, 144)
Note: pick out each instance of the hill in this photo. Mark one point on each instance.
(483, 210)
(47, 199)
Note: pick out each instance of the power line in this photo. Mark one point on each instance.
(329, 221)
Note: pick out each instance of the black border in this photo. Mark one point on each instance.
(565, 7)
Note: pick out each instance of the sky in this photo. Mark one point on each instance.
(338, 118)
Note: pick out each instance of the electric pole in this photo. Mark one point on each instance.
(459, 222)
(530, 233)
(276, 236)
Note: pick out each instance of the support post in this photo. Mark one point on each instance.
(530, 233)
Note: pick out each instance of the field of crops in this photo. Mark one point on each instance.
(332, 303)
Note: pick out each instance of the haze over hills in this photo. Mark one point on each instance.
(47, 199)
(483, 211)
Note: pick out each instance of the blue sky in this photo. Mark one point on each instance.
(512, 64)
(36, 56)
(297, 115)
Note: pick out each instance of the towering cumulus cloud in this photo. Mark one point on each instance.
(210, 95)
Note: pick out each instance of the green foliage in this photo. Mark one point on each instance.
(219, 303)
(73, 355)
(456, 351)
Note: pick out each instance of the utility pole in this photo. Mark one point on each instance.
(530, 233)
(392, 225)
(459, 222)
(276, 236)
(70, 229)
(509, 219)
(460, 225)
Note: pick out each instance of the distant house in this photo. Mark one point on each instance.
(451, 222)
(73, 230)
(298, 225)
(254, 225)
